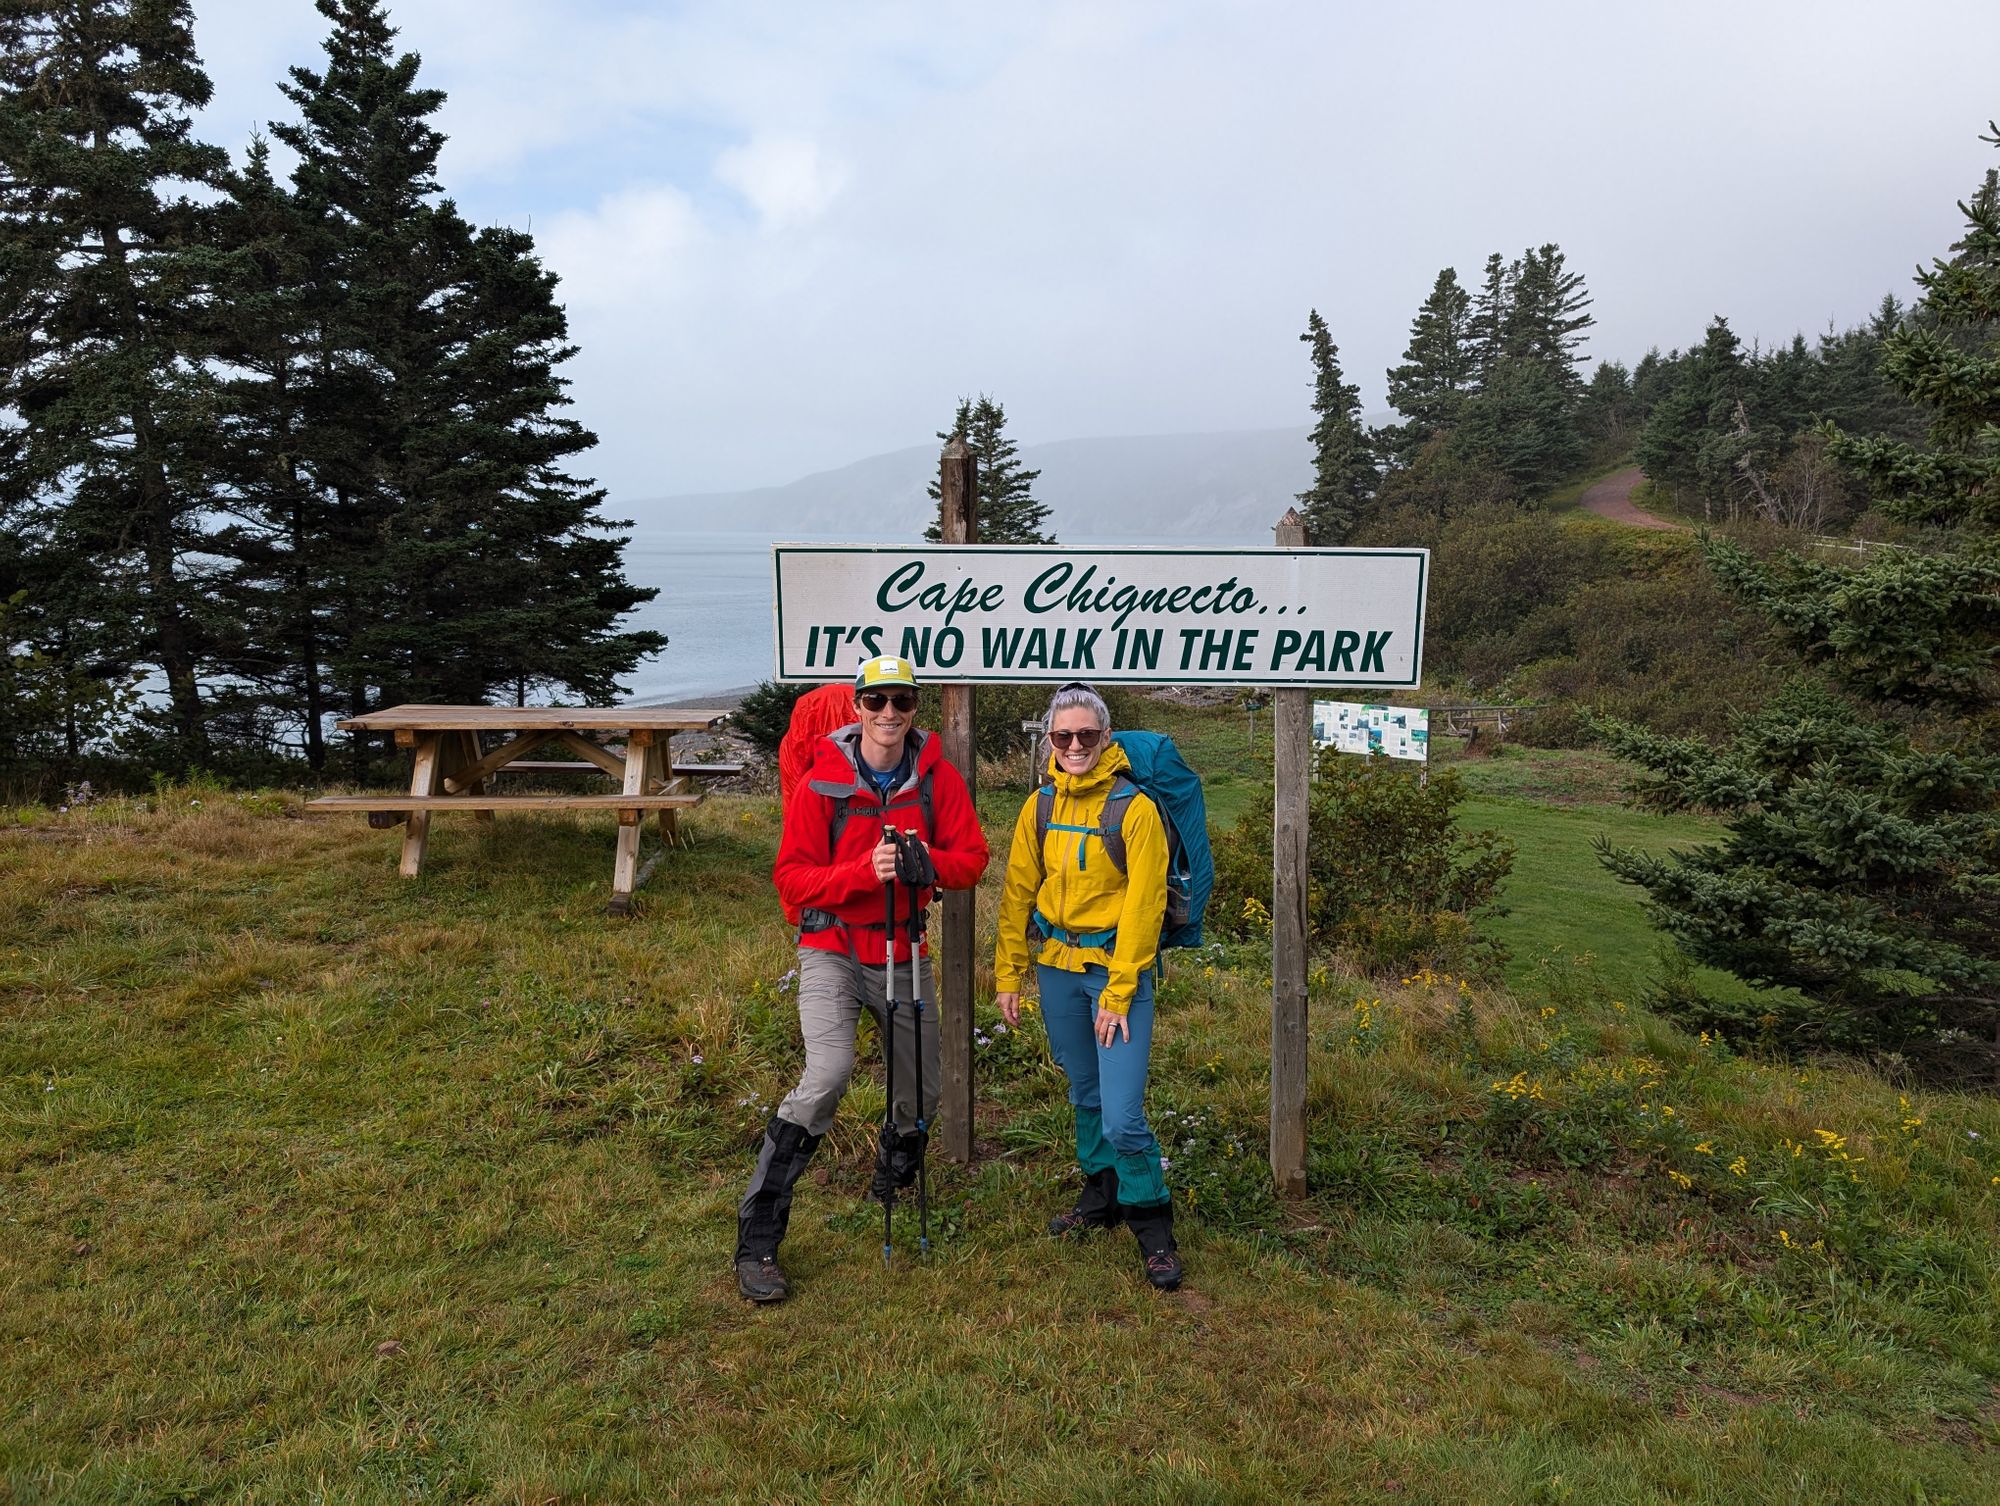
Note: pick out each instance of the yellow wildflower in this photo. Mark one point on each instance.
(1705, 1149)
(1739, 1166)
(1681, 1178)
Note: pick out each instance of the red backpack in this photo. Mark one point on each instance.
(814, 715)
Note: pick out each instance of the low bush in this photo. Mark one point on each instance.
(1393, 884)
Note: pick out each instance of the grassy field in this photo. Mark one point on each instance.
(316, 1185)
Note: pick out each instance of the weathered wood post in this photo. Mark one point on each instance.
(1291, 739)
(958, 485)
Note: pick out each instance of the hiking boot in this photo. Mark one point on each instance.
(761, 1279)
(1096, 1206)
(898, 1158)
(766, 1210)
(1153, 1228)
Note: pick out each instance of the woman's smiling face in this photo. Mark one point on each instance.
(1076, 758)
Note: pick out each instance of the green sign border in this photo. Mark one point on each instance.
(778, 552)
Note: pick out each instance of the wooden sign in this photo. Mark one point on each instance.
(1048, 613)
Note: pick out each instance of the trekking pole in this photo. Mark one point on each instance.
(889, 1056)
(923, 1124)
(913, 867)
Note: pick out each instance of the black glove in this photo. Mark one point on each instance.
(913, 861)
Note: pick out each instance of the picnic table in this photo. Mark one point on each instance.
(455, 760)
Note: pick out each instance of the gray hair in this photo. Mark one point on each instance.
(1071, 696)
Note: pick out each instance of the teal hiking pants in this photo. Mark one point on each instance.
(1107, 1084)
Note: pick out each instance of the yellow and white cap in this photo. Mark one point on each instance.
(887, 670)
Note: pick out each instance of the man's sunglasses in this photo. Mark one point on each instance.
(875, 700)
(1085, 738)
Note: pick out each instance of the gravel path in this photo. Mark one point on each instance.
(1612, 498)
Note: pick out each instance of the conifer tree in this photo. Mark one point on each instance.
(1862, 859)
(1344, 474)
(1547, 318)
(1523, 421)
(278, 601)
(1490, 317)
(1430, 386)
(1008, 511)
(454, 555)
(103, 374)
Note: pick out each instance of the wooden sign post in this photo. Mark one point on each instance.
(958, 486)
(1291, 738)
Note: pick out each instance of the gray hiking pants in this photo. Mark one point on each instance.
(833, 990)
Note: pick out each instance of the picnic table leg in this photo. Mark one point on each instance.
(656, 780)
(468, 755)
(424, 780)
(625, 871)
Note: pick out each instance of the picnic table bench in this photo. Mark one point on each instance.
(451, 767)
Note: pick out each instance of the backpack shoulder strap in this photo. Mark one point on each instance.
(1045, 812)
(1112, 819)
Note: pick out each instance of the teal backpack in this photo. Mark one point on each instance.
(1160, 773)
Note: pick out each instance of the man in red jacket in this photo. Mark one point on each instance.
(834, 861)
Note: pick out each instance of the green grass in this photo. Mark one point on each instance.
(1554, 806)
(316, 1185)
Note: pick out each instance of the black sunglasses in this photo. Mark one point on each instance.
(875, 700)
(1085, 738)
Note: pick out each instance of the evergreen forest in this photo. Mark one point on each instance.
(275, 449)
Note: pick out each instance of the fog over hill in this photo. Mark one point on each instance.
(1214, 488)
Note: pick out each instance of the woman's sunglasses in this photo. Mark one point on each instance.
(875, 700)
(1085, 738)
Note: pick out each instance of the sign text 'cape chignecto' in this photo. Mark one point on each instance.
(1001, 613)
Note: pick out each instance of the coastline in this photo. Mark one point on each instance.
(721, 700)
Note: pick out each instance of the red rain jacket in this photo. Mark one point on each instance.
(812, 874)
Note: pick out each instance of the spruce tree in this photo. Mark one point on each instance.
(279, 599)
(1430, 386)
(1344, 474)
(1523, 421)
(1008, 511)
(103, 370)
(362, 186)
(1862, 859)
(1490, 318)
(1547, 319)
(455, 556)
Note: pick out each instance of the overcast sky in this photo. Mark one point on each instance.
(791, 235)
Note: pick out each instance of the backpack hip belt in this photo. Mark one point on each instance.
(1083, 939)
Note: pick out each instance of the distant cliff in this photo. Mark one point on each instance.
(1215, 488)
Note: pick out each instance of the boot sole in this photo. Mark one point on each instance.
(762, 1299)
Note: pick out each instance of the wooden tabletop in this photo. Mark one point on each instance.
(419, 718)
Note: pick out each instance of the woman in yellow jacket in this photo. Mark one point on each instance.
(1095, 928)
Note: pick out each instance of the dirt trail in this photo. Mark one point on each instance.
(1612, 498)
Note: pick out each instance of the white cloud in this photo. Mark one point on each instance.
(635, 252)
(791, 234)
(788, 181)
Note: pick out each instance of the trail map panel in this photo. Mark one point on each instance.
(1048, 613)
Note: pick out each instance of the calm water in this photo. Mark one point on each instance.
(715, 606)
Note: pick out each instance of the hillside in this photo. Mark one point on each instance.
(1227, 487)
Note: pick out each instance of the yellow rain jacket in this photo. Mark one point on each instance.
(1077, 889)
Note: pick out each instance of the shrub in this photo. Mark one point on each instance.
(1392, 882)
(766, 712)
